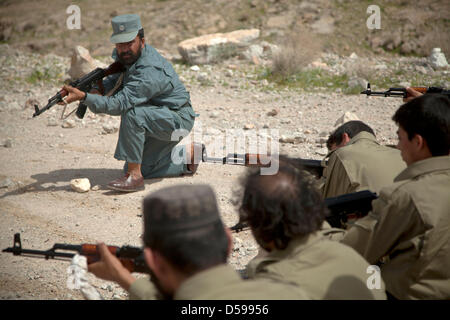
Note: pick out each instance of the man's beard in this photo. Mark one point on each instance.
(131, 58)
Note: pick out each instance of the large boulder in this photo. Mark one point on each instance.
(212, 48)
(346, 117)
(437, 59)
(82, 63)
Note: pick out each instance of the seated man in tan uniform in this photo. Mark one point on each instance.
(186, 247)
(358, 162)
(407, 232)
(285, 212)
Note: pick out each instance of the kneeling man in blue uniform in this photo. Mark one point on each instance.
(152, 102)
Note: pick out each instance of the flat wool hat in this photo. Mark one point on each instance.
(125, 28)
(180, 208)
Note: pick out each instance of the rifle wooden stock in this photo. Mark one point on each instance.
(422, 90)
(258, 160)
(265, 160)
(132, 258)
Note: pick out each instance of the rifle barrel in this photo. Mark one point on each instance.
(46, 253)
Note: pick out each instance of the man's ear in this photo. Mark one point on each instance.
(421, 150)
(142, 43)
(420, 143)
(345, 139)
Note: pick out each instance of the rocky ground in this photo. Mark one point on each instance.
(237, 97)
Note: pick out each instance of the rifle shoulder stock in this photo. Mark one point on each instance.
(420, 89)
(315, 167)
(114, 68)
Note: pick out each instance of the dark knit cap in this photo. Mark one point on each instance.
(180, 208)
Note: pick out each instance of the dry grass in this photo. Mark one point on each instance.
(296, 52)
(360, 70)
(436, 39)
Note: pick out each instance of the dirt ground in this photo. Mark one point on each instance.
(40, 204)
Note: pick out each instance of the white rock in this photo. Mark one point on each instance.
(214, 47)
(437, 58)
(270, 49)
(353, 56)
(52, 122)
(214, 114)
(7, 143)
(357, 82)
(110, 128)
(324, 25)
(202, 77)
(82, 63)
(322, 151)
(68, 124)
(6, 183)
(346, 117)
(286, 139)
(80, 185)
(421, 69)
(252, 52)
(381, 67)
(318, 64)
(195, 68)
(405, 84)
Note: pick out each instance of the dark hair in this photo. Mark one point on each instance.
(352, 128)
(141, 33)
(190, 251)
(428, 116)
(282, 206)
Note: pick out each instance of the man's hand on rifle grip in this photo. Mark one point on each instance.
(110, 268)
(412, 94)
(73, 95)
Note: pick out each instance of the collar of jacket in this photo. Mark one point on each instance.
(207, 280)
(362, 136)
(425, 166)
(294, 247)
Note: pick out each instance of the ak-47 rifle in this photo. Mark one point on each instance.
(341, 208)
(131, 258)
(349, 206)
(85, 83)
(261, 160)
(240, 226)
(402, 93)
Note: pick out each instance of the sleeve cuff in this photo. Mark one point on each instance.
(143, 289)
(90, 100)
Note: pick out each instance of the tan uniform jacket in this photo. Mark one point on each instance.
(362, 164)
(409, 230)
(222, 283)
(325, 269)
